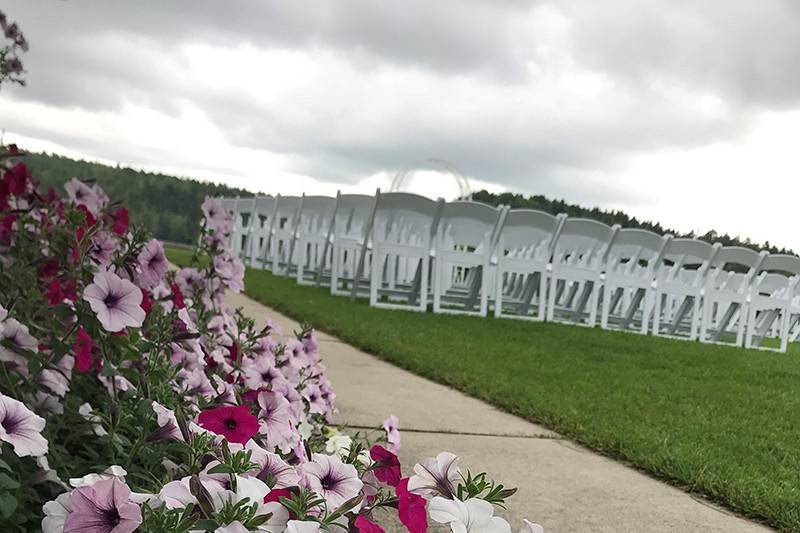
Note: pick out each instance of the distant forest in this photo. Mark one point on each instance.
(555, 207)
(170, 207)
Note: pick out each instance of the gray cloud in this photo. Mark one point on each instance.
(652, 60)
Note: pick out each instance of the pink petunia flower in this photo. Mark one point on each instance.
(261, 373)
(104, 507)
(16, 339)
(116, 301)
(276, 420)
(274, 471)
(435, 476)
(167, 424)
(388, 465)
(391, 425)
(230, 269)
(80, 193)
(103, 248)
(22, 428)
(236, 424)
(57, 379)
(217, 218)
(332, 479)
(152, 264)
(313, 395)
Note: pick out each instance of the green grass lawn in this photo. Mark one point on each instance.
(716, 420)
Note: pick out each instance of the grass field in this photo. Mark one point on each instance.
(716, 420)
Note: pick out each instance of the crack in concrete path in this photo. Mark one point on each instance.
(550, 436)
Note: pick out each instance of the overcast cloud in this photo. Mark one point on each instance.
(683, 112)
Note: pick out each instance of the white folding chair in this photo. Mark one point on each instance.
(680, 288)
(231, 206)
(770, 303)
(402, 236)
(629, 280)
(578, 261)
(259, 236)
(463, 250)
(350, 258)
(525, 246)
(246, 216)
(312, 236)
(727, 293)
(283, 229)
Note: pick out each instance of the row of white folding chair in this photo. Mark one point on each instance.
(593, 266)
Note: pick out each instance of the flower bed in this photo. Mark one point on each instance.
(132, 398)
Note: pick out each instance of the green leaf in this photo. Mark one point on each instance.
(221, 469)
(6, 483)
(8, 504)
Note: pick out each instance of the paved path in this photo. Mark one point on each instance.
(562, 486)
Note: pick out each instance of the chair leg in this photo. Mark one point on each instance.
(551, 298)
(498, 288)
(744, 316)
(423, 283)
(606, 306)
(784, 332)
(594, 300)
(646, 309)
(374, 279)
(437, 284)
(484, 290)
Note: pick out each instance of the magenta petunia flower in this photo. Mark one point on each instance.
(332, 479)
(236, 424)
(411, 508)
(116, 301)
(387, 467)
(152, 264)
(365, 525)
(21, 427)
(121, 221)
(83, 347)
(104, 507)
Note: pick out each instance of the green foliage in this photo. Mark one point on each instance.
(166, 206)
(717, 420)
(554, 207)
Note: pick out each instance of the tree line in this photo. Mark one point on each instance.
(542, 203)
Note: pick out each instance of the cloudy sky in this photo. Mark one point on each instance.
(679, 111)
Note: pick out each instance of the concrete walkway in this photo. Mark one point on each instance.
(562, 486)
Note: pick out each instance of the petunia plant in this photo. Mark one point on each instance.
(133, 398)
